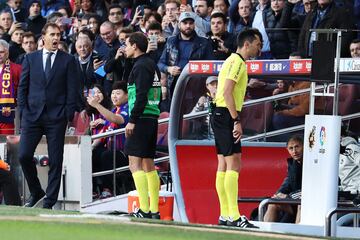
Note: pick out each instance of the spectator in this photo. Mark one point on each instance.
(200, 128)
(115, 119)
(15, 49)
(282, 43)
(106, 41)
(223, 42)
(203, 9)
(258, 22)
(50, 6)
(156, 41)
(65, 11)
(117, 63)
(58, 18)
(85, 61)
(170, 20)
(9, 80)
(290, 185)
(40, 44)
(7, 23)
(326, 15)
(349, 162)
(355, 48)
(19, 13)
(181, 48)
(35, 22)
(240, 16)
(292, 113)
(63, 46)
(91, 22)
(222, 6)
(116, 16)
(28, 44)
(8, 185)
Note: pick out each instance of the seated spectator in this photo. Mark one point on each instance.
(290, 187)
(40, 44)
(8, 185)
(115, 119)
(200, 128)
(355, 48)
(282, 87)
(349, 171)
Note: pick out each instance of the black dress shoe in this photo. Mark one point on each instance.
(33, 201)
(46, 206)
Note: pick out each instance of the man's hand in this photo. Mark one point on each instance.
(129, 129)
(97, 63)
(185, 8)
(152, 46)
(14, 26)
(120, 53)
(280, 195)
(174, 71)
(237, 131)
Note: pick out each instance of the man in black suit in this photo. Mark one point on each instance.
(47, 101)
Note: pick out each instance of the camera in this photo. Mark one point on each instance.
(215, 43)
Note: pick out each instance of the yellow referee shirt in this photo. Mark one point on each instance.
(234, 68)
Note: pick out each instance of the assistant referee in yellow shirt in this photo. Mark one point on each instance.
(225, 121)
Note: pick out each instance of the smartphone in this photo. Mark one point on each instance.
(153, 39)
(24, 25)
(96, 56)
(67, 21)
(141, 7)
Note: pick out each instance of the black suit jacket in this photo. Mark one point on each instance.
(58, 93)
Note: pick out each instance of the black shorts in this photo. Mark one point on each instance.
(142, 143)
(223, 125)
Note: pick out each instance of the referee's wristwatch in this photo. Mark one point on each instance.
(237, 119)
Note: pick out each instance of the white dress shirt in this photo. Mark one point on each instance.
(45, 55)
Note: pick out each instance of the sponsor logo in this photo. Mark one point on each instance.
(311, 138)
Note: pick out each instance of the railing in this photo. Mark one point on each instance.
(340, 210)
(268, 201)
(195, 115)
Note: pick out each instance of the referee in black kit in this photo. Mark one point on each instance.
(144, 94)
(225, 121)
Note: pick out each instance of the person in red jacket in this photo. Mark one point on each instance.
(9, 81)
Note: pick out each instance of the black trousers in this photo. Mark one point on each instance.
(31, 134)
(9, 188)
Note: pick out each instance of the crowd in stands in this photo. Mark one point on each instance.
(95, 32)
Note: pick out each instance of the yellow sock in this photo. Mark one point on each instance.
(231, 189)
(220, 189)
(153, 185)
(142, 189)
